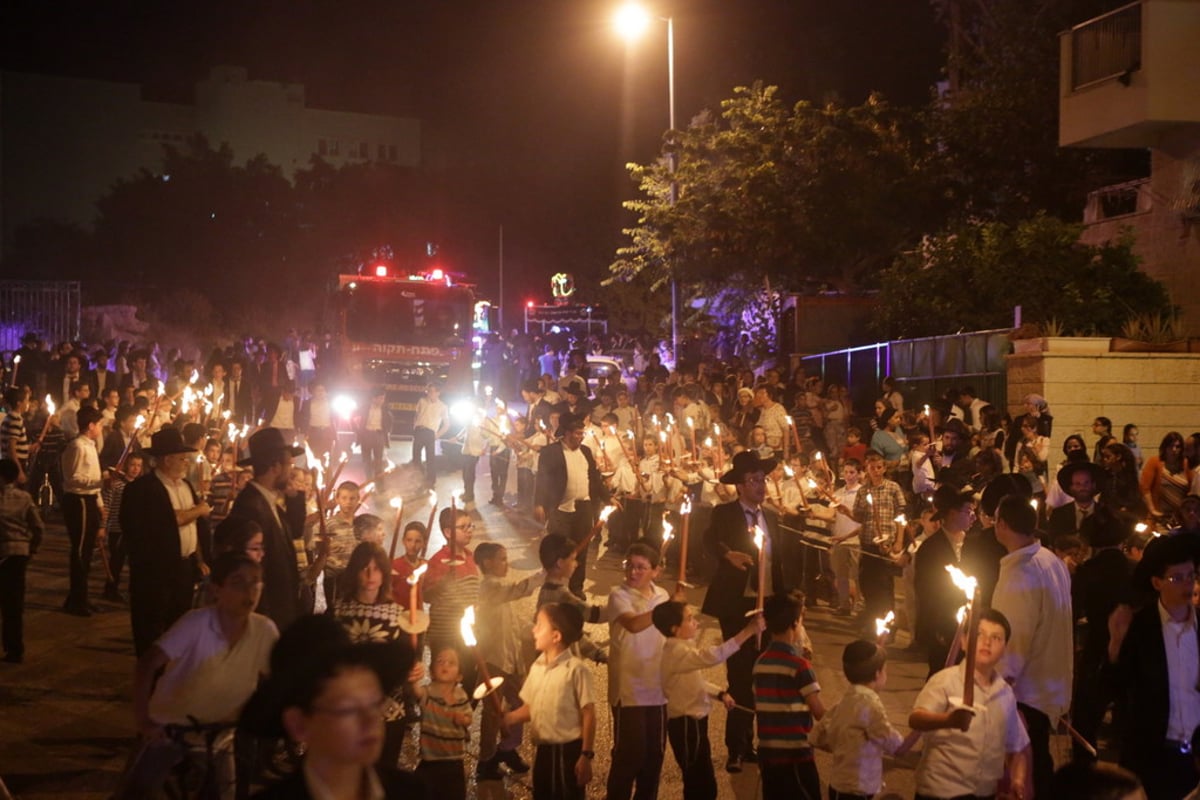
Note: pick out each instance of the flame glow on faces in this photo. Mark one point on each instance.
(467, 626)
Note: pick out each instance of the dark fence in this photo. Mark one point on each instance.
(50, 309)
(922, 368)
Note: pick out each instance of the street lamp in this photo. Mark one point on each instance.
(631, 22)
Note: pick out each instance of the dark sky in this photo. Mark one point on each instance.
(534, 106)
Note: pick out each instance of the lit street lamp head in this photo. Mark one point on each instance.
(631, 21)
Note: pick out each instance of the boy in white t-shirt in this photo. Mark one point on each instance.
(212, 659)
(635, 687)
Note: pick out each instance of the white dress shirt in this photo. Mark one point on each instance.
(81, 467)
(635, 659)
(1183, 674)
(688, 693)
(181, 500)
(577, 478)
(557, 692)
(1034, 593)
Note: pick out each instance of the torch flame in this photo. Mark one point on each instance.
(417, 573)
(963, 581)
(396, 503)
(961, 615)
(789, 471)
(759, 539)
(884, 625)
(668, 531)
(467, 626)
(433, 499)
(49, 405)
(901, 519)
(607, 512)
(1141, 527)
(870, 500)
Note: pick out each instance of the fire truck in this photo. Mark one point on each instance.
(402, 332)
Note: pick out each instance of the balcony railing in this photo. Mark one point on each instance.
(1119, 200)
(1107, 47)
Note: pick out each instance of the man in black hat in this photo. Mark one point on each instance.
(938, 599)
(163, 523)
(1082, 480)
(570, 490)
(949, 461)
(734, 588)
(982, 553)
(262, 501)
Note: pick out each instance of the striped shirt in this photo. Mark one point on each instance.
(13, 430)
(112, 495)
(783, 679)
(443, 738)
(450, 589)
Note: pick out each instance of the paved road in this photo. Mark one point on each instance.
(65, 715)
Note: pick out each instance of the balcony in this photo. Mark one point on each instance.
(1130, 75)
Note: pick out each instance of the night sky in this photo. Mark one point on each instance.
(531, 108)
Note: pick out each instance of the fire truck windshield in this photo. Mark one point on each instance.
(409, 313)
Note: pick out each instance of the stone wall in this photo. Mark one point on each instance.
(1155, 391)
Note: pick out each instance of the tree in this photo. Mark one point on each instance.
(802, 197)
(997, 126)
(970, 277)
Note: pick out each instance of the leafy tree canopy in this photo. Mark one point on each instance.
(802, 196)
(970, 277)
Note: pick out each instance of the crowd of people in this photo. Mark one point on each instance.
(262, 598)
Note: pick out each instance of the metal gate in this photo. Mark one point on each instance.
(922, 368)
(50, 309)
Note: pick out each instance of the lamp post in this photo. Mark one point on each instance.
(631, 21)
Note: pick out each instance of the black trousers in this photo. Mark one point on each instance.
(498, 466)
(81, 513)
(1092, 695)
(116, 557)
(790, 781)
(639, 743)
(1038, 726)
(469, 465)
(689, 742)
(447, 780)
(575, 525)
(739, 671)
(876, 581)
(554, 772)
(425, 443)
(12, 604)
(374, 448)
(159, 594)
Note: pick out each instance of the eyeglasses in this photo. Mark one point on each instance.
(368, 711)
(465, 526)
(1185, 578)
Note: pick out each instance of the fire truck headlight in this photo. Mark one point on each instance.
(344, 405)
(461, 411)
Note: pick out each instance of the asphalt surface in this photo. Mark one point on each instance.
(66, 723)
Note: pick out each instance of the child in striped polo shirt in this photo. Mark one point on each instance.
(445, 726)
(787, 700)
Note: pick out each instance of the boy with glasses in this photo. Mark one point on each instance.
(450, 586)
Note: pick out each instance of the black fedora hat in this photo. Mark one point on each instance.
(744, 463)
(569, 422)
(1000, 487)
(167, 442)
(1099, 476)
(947, 497)
(265, 445)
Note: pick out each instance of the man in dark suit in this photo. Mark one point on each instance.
(1098, 586)
(240, 390)
(982, 552)
(1157, 668)
(263, 502)
(163, 522)
(101, 376)
(1082, 480)
(64, 373)
(122, 436)
(734, 588)
(938, 599)
(569, 490)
